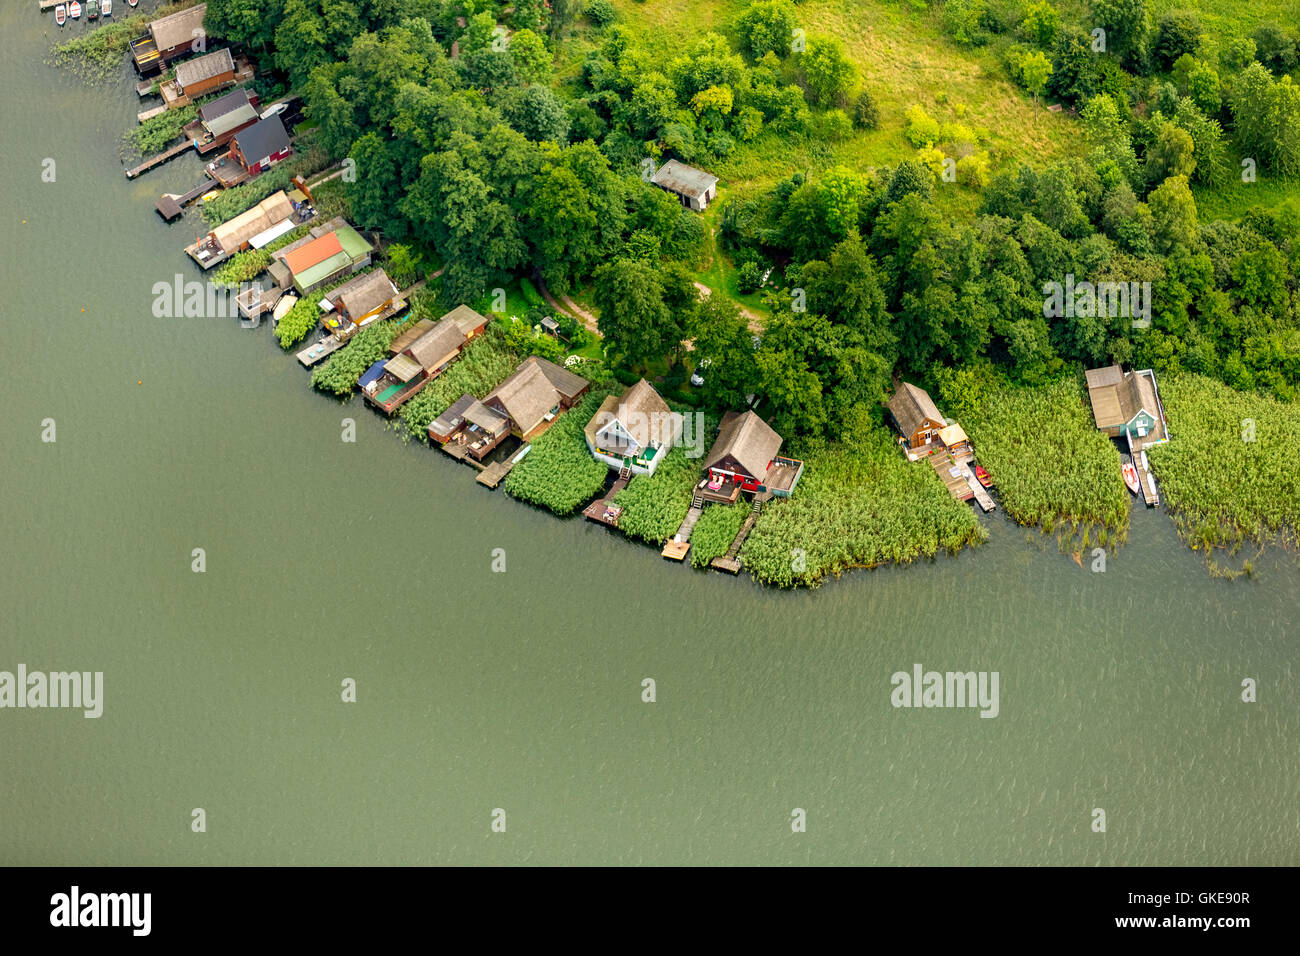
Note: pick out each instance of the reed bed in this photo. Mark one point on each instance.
(714, 532)
(858, 504)
(559, 473)
(1228, 473)
(1053, 469)
(654, 505)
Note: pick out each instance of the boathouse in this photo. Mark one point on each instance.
(693, 187)
(169, 38)
(236, 234)
(262, 145)
(203, 74)
(634, 431)
(470, 427)
(221, 119)
(1126, 403)
(535, 395)
(415, 366)
(915, 416)
(326, 258)
(360, 302)
(467, 320)
(745, 458)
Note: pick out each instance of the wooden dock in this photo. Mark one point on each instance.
(170, 206)
(1146, 480)
(495, 473)
(320, 350)
(982, 497)
(154, 161)
(680, 545)
(150, 114)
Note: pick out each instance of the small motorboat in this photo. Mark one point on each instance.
(983, 476)
(74, 10)
(132, 3)
(283, 307)
(106, 7)
(1131, 478)
(92, 9)
(61, 14)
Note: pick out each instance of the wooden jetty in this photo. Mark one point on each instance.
(680, 545)
(1146, 480)
(982, 497)
(603, 510)
(144, 87)
(319, 350)
(150, 114)
(730, 562)
(170, 206)
(155, 161)
(950, 473)
(495, 473)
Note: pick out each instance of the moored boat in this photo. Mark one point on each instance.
(1131, 478)
(106, 7)
(133, 3)
(74, 10)
(61, 14)
(92, 9)
(283, 307)
(983, 476)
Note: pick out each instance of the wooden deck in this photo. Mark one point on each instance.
(1146, 480)
(495, 473)
(949, 471)
(319, 351)
(603, 510)
(982, 497)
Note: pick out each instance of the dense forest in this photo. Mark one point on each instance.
(509, 141)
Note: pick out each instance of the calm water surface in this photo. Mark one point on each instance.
(522, 690)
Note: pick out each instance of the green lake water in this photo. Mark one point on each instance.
(522, 690)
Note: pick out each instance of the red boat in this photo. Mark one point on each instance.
(1131, 478)
(982, 476)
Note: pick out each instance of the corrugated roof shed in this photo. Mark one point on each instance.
(684, 180)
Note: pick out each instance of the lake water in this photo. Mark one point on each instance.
(522, 691)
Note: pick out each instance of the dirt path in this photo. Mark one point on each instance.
(566, 304)
(755, 320)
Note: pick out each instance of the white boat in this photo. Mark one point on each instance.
(74, 10)
(283, 306)
(106, 7)
(61, 14)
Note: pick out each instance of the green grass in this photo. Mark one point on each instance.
(857, 505)
(1229, 470)
(559, 473)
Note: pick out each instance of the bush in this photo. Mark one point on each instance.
(601, 12)
(922, 129)
(749, 277)
(298, 324)
(866, 115)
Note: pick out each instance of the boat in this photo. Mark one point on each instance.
(1131, 478)
(283, 306)
(74, 10)
(92, 9)
(983, 476)
(106, 7)
(132, 3)
(61, 14)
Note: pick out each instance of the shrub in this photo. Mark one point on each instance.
(601, 12)
(922, 129)
(866, 115)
